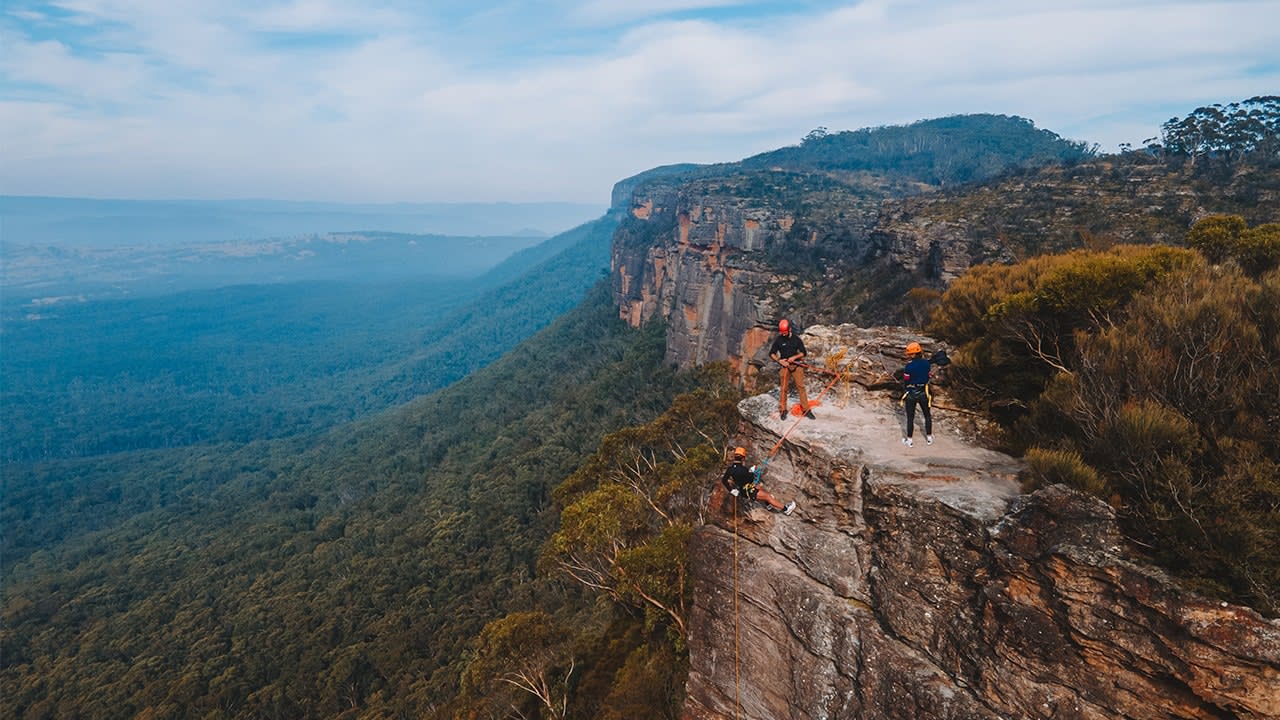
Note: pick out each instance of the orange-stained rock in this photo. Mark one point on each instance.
(691, 316)
(690, 262)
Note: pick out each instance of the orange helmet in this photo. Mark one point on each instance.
(740, 452)
(913, 349)
(784, 326)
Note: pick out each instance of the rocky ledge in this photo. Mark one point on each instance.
(919, 583)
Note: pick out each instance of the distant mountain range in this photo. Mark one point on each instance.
(57, 249)
(42, 275)
(102, 222)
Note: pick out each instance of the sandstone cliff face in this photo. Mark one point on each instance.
(695, 254)
(720, 258)
(695, 280)
(918, 583)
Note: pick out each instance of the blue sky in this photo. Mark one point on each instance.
(476, 100)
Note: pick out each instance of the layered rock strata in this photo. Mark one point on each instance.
(690, 269)
(1056, 208)
(918, 583)
(715, 256)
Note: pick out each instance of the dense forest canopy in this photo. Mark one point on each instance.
(307, 579)
(946, 151)
(626, 516)
(253, 362)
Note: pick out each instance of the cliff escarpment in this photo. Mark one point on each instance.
(920, 583)
(719, 253)
(716, 259)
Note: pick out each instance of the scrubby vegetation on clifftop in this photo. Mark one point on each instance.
(1146, 376)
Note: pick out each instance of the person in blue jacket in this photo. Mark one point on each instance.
(915, 383)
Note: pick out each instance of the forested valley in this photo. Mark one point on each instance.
(515, 543)
(297, 578)
(250, 362)
(142, 577)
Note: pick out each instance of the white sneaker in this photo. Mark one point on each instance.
(907, 442)
(928, 439)
(790, 506)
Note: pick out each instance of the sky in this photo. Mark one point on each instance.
(555, 100)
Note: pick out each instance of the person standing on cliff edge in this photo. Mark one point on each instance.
(788, 351)
(915, 385)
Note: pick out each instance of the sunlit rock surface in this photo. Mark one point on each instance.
(919, 583)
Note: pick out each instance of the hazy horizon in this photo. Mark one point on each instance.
(38, 219)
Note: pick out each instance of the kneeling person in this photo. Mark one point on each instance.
(739, 479)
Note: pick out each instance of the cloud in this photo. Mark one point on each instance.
(318, 99)
(615, 12)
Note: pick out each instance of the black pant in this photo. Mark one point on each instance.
(911, 414)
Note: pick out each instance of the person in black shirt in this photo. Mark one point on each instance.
(788, 350)
(739, 479)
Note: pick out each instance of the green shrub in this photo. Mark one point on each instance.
(1245, 525)
(1215, 236)
(1152, 449)
(1050, 467)
(1227, 237)
(1143, 375)
(1017, 326)
(920, 303)
(1196, 342)
(1258, 249)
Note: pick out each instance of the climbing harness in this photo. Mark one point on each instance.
(778, 445)
(814, 368)
(919, 393)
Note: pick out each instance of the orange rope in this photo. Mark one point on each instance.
(737, 683)
(774, 451)
(737, 702)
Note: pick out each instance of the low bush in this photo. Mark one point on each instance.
(1050, 467)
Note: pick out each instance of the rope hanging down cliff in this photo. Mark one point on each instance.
(737, 684)
(758, 471)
